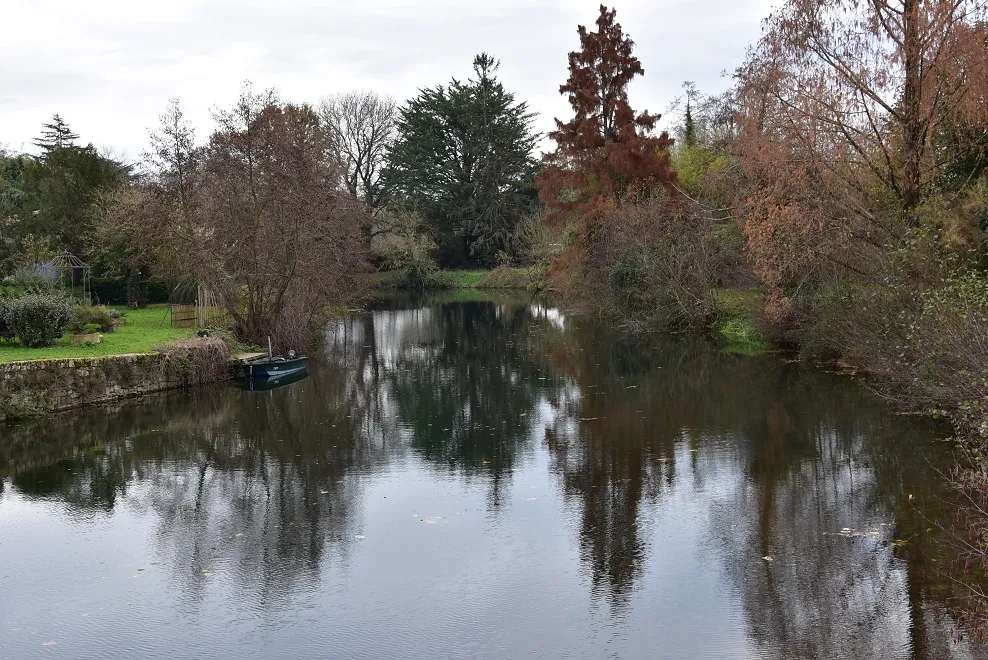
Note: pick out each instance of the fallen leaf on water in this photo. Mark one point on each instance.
(898, 543)
(207, 573)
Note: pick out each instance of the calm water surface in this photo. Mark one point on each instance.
(480, 479)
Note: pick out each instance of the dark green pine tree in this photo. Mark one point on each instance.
(463, 160)
(57, 135)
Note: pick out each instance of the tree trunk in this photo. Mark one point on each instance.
(912, 133)
(136, 289)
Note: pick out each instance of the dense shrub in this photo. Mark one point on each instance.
(30, 281)
(408, 251)
(649, 267)
(84, 315)
(203, 360)
(37, 319)
(5, 331)
(536, 243)
(422, 274)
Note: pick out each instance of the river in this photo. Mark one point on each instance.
(482, 477)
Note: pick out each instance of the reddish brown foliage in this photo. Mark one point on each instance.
(841, 104)
(606, 153)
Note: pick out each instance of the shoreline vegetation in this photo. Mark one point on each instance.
(504, 277)
(733, 325)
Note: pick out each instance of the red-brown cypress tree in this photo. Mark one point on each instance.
(606, 153)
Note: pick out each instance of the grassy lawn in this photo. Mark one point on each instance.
(466, 279)
(144, 329)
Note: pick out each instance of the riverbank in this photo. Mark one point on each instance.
(503, 277)
(37, 387)
(734, 325)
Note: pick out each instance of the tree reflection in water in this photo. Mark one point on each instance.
(777, 459)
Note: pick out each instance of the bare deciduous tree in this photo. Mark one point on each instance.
(283, 240)
(257, 216)
(360, 127)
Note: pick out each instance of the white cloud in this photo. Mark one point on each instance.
(109, 66)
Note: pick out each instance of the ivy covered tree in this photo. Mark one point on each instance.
(49, 195)
(12, 200)
(463, 160)
(59, 188)
(606, 151)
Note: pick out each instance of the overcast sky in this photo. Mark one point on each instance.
(109, 66)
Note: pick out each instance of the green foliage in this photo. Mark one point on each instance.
(233, 343)
(5, 331)
(739, 315)
(34, 250)
(463, 158)
(57, 135)
(60, 186)
(502, 277)
(83, 316)
(466, 279)
(12, 202)
(694, 163)
(689, 128)
(421, 275)
(738, 336)
(408, 252)
(538, 244)
(37, 319)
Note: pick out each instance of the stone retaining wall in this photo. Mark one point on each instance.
(29, 389)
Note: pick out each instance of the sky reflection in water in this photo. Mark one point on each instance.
(479, 478)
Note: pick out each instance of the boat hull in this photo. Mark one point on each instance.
(263, 369)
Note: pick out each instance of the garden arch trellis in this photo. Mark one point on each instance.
(70, 269)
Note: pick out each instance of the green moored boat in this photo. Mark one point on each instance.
(271, 367)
